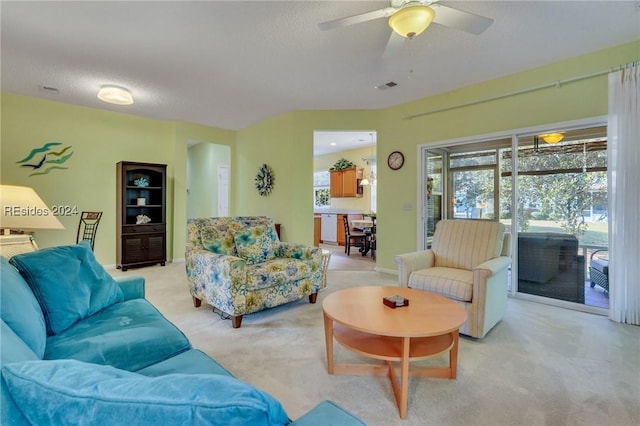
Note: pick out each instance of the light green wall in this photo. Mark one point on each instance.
(99, 140)
(325, 162)
(397, 190)
(285, 143)
(102, 138)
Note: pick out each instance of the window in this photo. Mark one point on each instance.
(321, 189)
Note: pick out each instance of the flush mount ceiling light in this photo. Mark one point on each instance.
(115, 95)
(552, 138)
(411, 20)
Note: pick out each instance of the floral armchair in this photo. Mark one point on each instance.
(239, 266)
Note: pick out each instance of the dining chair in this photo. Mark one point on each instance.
(352, 239)
(88, 226)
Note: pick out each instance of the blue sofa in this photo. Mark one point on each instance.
(80, 347)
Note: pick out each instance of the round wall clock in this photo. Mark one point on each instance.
(395, 160)
(264, 180)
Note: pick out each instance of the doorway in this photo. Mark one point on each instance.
(207, 189)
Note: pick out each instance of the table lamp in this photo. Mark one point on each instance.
(22, 209)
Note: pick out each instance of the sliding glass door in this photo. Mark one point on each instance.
(559, 218)
(562, 217)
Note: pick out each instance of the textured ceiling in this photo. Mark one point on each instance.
(233, 63)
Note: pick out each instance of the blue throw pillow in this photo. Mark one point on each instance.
(76, 393)
(68, 282)
(20, 309)
(255, 244)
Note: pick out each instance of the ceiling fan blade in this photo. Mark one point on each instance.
(459, 19)
(356, 19)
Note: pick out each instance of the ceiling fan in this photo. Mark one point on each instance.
(409, 18)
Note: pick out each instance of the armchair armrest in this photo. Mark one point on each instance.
(309, 254)
(132, 286)
(298, 251)
(492, 266)
(409, 262)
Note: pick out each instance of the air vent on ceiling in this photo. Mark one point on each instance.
(386, 85)
(49, 89)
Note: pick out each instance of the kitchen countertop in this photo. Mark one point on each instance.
(337, 211)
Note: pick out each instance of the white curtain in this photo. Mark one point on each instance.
(623, 166)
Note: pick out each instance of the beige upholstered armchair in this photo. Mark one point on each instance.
(467, 262)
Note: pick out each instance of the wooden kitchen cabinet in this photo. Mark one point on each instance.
(317, 230)
(346, 183)
(341, 236)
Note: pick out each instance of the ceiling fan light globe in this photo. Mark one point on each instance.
(552, 138)
(411, 21)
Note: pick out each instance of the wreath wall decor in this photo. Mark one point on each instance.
(264, 180)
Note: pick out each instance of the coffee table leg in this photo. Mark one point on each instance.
(328, 338)
(404, 372)
(453, 355)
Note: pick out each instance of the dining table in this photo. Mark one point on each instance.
(366, 225)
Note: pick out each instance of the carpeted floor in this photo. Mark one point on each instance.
(541, 365)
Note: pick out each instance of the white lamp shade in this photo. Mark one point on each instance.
(22, 208)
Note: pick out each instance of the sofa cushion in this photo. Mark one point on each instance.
(72, 392)
(68, 282)
(129, 335)
(276, 272)
(13, 350)
(456, 284)
(20, 309)
(464, 244)
(218, 240)
(255, 244)
(192, 361)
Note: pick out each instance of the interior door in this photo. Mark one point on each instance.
(223, 190)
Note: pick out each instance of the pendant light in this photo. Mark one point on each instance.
(552, 138)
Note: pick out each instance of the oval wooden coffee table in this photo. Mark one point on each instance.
(359, 321)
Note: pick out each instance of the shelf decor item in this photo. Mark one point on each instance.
(142, 219)
(342, 164)
(264, 180)
(142, 182)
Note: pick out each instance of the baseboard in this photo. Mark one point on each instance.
(181, 260)
(386, 270)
